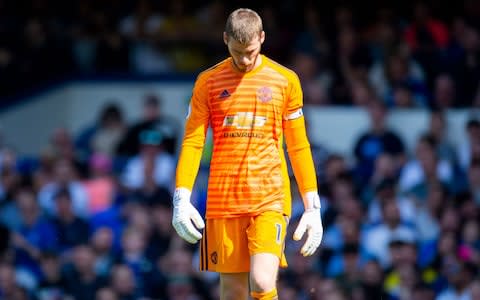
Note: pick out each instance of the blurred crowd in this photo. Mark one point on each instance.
(410, 54)
(89, 216)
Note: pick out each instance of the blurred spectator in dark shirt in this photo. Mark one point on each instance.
(133, 256)
(81, 281)
(426, 36)
(35, 234)
(71, 230)
(469, 148)
(444, 92)
(152, 119)
(161, 234)
(51, 285)
(377, 140)
(474, 181)
(352, 62)
(102, 244)
(459, 275)
(466, 67)
(123, 283)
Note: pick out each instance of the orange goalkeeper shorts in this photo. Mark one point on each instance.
(228, 243)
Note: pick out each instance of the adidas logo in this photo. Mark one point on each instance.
(224, 94)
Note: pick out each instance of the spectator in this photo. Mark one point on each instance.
(421, 291)
(469, 149)
(429, 212)
(35, 235)
(386, 190)
(106, 294)
(372, 281)
(152, 120)
(385, 170)
(444, 92)
(474, 181)
(459, 276)
(103, 136)
(312, 77)
(438, 128)
(102, 244)
(81, 282)
(376, 140)
(133, 256)
(397, 68)
(123, 283)
(71, 230)
(426, 168)
(377, 238)
(9, 289)
(426, 36)
(51, 285)
(101, 185)
(161, 235)
(65, 177)
(466, 68)
(153, 166)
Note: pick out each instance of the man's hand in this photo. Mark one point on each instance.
(185, 216)
(310, 222)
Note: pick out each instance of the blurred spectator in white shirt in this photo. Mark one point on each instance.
(152, 164)
(65, 176)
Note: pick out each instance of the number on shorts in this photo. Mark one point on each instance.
(279, 233)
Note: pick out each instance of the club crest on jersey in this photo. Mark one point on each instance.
(264, 94)
(224, 94)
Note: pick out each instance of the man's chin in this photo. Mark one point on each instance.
(246, 69)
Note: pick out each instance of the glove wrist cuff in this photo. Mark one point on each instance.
(181, 195)
(311, 200)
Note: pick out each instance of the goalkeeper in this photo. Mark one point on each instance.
(252, 105)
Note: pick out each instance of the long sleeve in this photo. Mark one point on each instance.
(194, 139)
(298, 146)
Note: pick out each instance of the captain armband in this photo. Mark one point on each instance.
(295, 115)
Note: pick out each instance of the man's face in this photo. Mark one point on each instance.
(244, 55)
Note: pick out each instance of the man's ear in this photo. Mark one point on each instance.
(225, 38)
(262, 37)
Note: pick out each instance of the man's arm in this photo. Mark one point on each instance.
(184, 213)
(300, 155)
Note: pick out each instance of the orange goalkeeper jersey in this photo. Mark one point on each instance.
(247, 113)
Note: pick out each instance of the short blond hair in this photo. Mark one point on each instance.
(243, 25)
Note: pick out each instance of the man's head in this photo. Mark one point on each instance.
(244, 37)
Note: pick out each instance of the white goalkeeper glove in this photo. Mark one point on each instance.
(185, 215)
(310, 222)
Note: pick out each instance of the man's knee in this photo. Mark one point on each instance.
(262, 281)
(263, 272)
